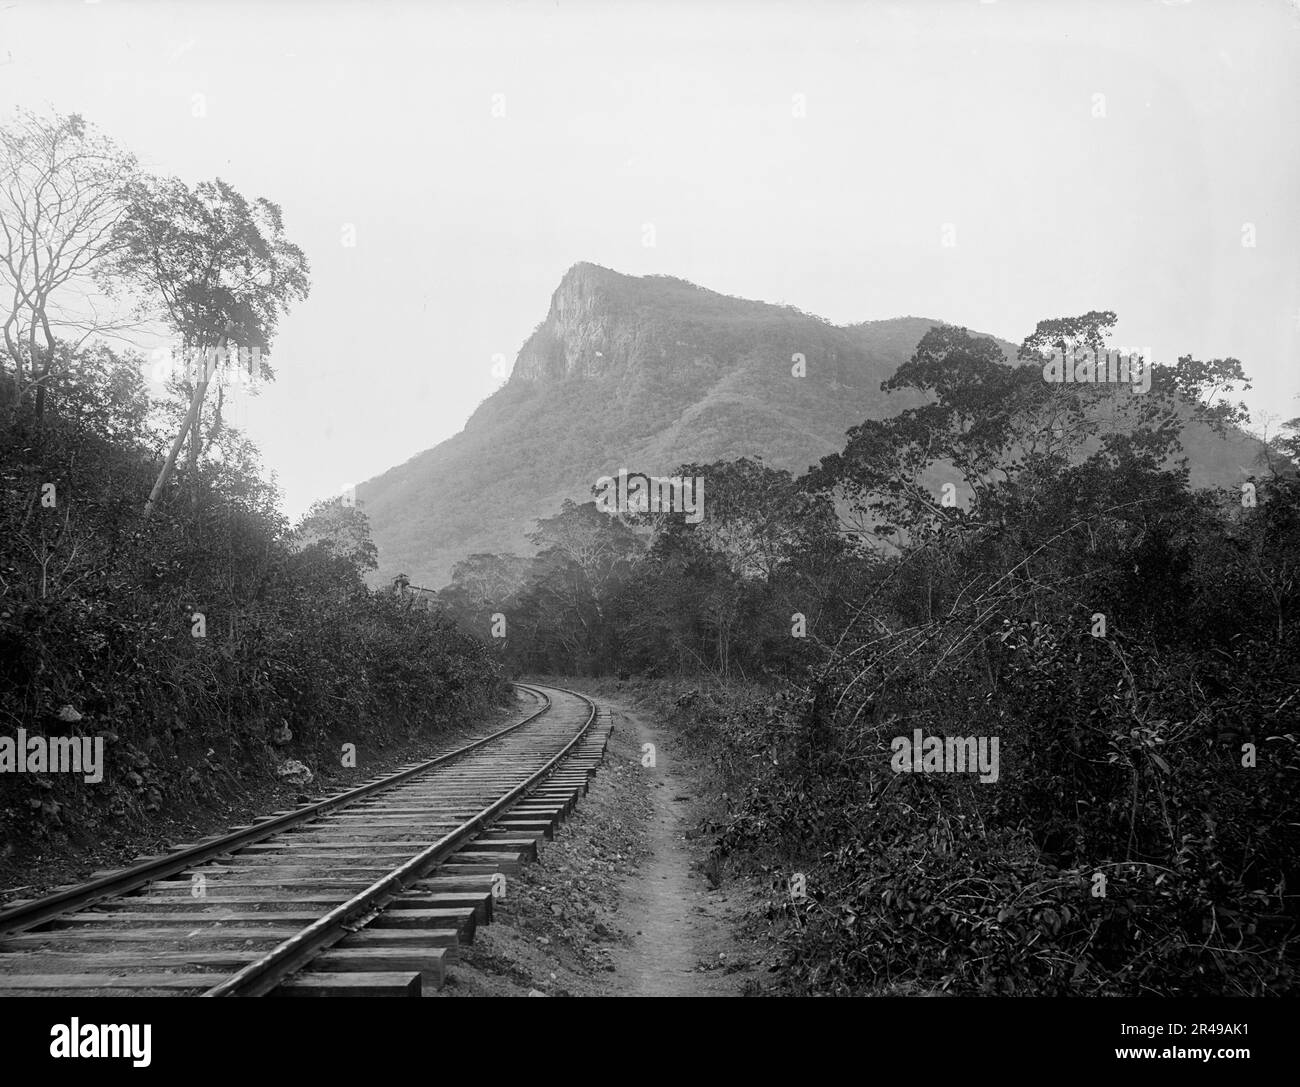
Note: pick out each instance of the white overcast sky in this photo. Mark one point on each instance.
(985, 116)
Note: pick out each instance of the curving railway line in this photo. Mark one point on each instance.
(367, 892)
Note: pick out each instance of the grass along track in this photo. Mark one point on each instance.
(367, 892)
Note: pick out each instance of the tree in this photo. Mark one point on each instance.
(222, 273)
(583, 556)
(62, 189)
(340, 530)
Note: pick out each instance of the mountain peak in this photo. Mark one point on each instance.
(578, 327)
(584, 271)
(602, 321)
(644, 372)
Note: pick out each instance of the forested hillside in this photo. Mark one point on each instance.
(651, 372)
(626, 370)
(1128, 643)
(159, 600)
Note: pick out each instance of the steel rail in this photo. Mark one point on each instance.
(258, 978)
(18, 919)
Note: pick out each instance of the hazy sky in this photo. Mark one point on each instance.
(1094, 155)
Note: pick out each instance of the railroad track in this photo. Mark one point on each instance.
(367, 892)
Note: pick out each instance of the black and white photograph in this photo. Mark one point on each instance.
(758, 501)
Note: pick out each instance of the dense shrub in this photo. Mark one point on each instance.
(98, 606)
(1133, 645)
(1121, 757)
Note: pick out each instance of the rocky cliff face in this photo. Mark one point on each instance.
(603, 324)
(584, 331)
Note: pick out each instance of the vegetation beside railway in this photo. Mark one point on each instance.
(152, 594)
(1132, 644)
(97, 623)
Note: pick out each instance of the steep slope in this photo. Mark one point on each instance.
(648, 373)
(643, 373)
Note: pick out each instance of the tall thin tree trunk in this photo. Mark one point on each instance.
(191, 423)
(15, 392)
(31, 357)
(196, 437)
(47, 369)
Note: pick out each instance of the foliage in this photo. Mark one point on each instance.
(1132, 643)
(97, 612)
(61, 200)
